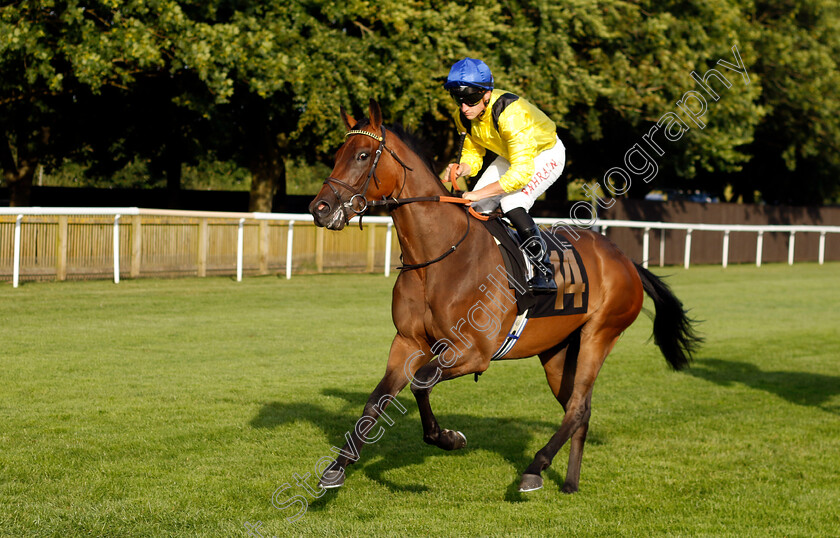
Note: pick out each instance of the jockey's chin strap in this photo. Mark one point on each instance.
(358, 197)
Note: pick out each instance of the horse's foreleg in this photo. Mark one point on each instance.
(392, 383)
(421, 386)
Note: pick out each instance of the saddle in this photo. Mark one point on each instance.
(572, 295)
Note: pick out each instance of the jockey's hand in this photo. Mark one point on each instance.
(462, 170)
(493, 189)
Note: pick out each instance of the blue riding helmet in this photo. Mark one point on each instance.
(469, 72)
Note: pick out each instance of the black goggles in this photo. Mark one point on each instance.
(467, 96)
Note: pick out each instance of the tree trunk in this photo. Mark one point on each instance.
(266, 177)
(268, 172)
(173, 183)
(18, 175)
(20, 191)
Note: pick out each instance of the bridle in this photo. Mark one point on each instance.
(393, 202)
(360, 194)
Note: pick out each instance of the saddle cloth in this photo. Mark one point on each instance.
(572, 296)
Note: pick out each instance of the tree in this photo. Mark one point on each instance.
(69, 66)
(260, 82)
(796, 151)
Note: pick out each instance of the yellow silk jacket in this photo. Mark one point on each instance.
(524, 132)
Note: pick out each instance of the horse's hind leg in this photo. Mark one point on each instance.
(571, 382)
(576, 451)
(560, 371)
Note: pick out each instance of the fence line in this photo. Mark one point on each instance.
(198, 242)
(791, 229)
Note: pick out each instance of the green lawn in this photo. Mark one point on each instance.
(178, 407)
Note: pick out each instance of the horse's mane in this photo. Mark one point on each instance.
(411, 139)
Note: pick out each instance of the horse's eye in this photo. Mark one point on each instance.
(363, 156)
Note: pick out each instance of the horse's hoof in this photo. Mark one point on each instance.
(332, 479)
(530, 482)
(455, 440)
(569, 488)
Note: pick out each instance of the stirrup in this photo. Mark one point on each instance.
(542, 284)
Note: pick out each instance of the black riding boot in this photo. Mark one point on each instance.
(534, 247)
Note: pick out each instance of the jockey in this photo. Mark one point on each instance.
(530, 156)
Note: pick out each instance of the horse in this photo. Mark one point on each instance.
(444, 259)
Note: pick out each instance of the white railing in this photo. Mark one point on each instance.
(292, 218)
(119, 212)
(726, 229)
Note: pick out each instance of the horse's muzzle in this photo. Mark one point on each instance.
(326, 215)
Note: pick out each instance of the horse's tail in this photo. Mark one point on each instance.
(673, 330)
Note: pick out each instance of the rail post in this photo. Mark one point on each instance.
(791, 245)
(290, 239)
(759, 246)
(725, 255)
(240, 249)
(388, 249)
(687, 248)
(117, 249)
(662, 248)
(822, 247)
(16, 256)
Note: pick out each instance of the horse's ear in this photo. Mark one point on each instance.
(348, 120)
(375, 115)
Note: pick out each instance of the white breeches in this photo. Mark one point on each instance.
(548, 166)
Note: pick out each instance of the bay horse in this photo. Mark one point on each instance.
(445, 262)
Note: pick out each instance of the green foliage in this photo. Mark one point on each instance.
(796, 155)
(259, 83)
(134, 175)
(302, 178)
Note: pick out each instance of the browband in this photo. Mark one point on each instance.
(376, 137)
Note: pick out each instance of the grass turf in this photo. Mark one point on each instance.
(178, 407)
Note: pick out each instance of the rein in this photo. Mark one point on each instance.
(392, 203)
(410, 266)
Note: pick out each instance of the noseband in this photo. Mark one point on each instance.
(360, 194)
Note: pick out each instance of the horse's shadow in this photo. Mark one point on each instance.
(802, 388)
(402, 444)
